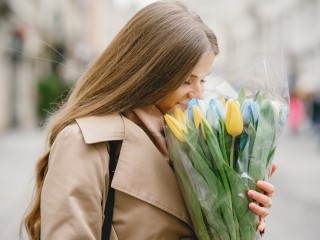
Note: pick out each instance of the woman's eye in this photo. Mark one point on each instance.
(187, 82)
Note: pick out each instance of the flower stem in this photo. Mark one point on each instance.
(231, 151)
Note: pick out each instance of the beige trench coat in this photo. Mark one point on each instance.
(148, 203)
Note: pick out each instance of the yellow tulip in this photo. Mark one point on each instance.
(181, 117)
(175, 126)
(198, 118)
(234, 120)
(223, 100)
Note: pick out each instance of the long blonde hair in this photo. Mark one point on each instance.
(148, 59)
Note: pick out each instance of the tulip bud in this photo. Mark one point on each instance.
(199, 118)
(283, 114)
(175, 126)
(213, 118)
(245, 111)
(255, 109)
(196, 102)
(223, 101)
(249, 108)
(282, 110)
(234, 120)
(179, 115)
(214, 113)
(219, 107)
(202, 106)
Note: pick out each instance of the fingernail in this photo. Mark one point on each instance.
(260, 182)
(250, 193)
(260, 229)
(251, 205)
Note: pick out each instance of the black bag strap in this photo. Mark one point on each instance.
(108, 210)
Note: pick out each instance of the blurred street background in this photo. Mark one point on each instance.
(46, 45)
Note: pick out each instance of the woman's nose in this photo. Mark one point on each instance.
(196, 91)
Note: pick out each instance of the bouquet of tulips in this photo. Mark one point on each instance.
(219, 151)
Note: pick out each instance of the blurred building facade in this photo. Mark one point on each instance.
(36, 36)
(80, 30)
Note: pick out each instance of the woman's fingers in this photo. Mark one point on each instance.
(260, 198)
(268, 188)
(262, 225)
(264, 201)
(273, 169)
(260, 210)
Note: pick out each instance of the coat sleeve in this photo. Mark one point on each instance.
(74, 187)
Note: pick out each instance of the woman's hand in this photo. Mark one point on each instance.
(264, 200)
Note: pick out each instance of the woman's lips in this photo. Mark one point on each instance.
(184, 106)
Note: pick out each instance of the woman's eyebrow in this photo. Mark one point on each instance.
(201, 75)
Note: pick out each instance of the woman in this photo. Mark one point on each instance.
(158, 60)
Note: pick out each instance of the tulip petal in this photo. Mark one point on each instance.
(213, 118)
(219, 107)
(198, 115)
(246, 110)
(234, 119)
(179, 115)
(255, 109)
(202, 106)
(175, 126)
(192, 102)
(199, 118)
(196, 102)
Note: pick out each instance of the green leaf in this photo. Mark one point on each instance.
(243, 159)
(246, 145)
(224, 141)
(209, 191)
(218, 157)
(244, 139)
(213, 208)
(184, 171)
(270, 157)
(259, 98)
(246, 218)
(196, 139)
(263, 142)
(206, 151)
(241, 96)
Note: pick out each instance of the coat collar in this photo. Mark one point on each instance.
(102, 128)
(141, 171)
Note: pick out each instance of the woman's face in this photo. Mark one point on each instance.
(191, 88)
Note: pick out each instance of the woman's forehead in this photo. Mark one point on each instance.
(203, 67)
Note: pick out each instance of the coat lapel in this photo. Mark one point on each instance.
(141, 171)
